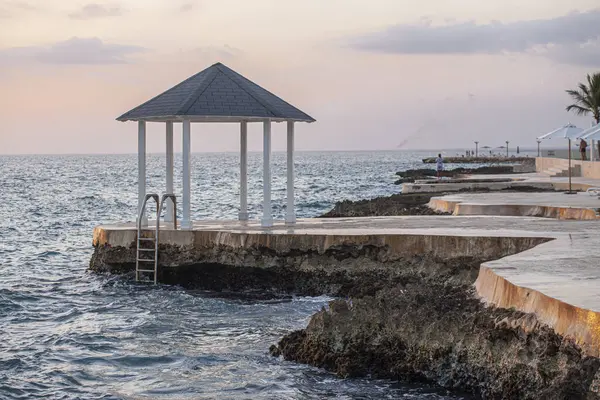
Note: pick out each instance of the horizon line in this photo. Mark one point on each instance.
(260, 151)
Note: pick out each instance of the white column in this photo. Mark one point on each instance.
(267, 219)
(141, 169)
(169, 188)
(290, 215)
(592, 150)
(186, 222)
(243, 215)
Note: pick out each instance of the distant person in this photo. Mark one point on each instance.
(582, 149)
(439, 163)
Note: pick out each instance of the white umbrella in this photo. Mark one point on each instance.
(569, 132)
(592, 133)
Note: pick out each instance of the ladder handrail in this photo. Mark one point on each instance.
(143, 209)
(159, 208)
(174, 200)
(149, 196)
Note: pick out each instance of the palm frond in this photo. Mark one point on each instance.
(579, 98)
(586, 97)
(575, 94)
(584, 89)
(578, 109)
(594, 82)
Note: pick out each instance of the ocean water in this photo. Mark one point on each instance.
(69, 334)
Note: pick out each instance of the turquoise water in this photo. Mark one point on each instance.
(68, 334)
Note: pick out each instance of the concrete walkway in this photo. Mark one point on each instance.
(499, 182)
(579, 206)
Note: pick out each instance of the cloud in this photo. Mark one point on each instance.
(95, 10)
(586, 54)
(17, 4)
(72, 51)
(218, 52)
(8, 7)
(569, 31)
(186, 7)
(190, 5)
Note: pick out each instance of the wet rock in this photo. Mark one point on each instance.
(253, 271)
(438, 332)
(394, 205)
(482, 160)
(411, 175)
(408, 203)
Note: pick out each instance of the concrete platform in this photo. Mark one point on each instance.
(553, 274)
(500, 182)
(474, 184)
(581, 206)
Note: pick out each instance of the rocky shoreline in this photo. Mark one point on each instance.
(434, 328)
(437, 330)
(396, 204)
(481, 160)
(403, 204)
(416, 203)
(411, 175)
(308, 269)
(405, 310)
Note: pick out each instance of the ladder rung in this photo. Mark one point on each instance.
(145, 270)
(146, 259)
(146, 249)
(143, 238)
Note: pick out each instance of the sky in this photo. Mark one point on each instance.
(376, 75)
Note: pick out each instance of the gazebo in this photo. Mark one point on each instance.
(218, 94)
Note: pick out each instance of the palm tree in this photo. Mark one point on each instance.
(587, 99)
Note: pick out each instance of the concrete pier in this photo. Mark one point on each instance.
(580, 206)
(536, 265)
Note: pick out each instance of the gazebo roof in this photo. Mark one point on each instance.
(217, 94)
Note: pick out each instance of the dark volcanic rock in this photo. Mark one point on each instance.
(396, 204)
(482, 160)
(412, 175)
(405, 204)
(433, 331)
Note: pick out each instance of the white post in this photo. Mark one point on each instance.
(243, 215)
(290, 216)
(169, 165)
(186, 222)
(592, 150)
(267, 219)
(141, 169)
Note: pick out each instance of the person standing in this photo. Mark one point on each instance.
(582, 149)
(439, 163)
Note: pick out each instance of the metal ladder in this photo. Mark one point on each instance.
(152, 252)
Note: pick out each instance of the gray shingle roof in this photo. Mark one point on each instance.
(216, 94)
